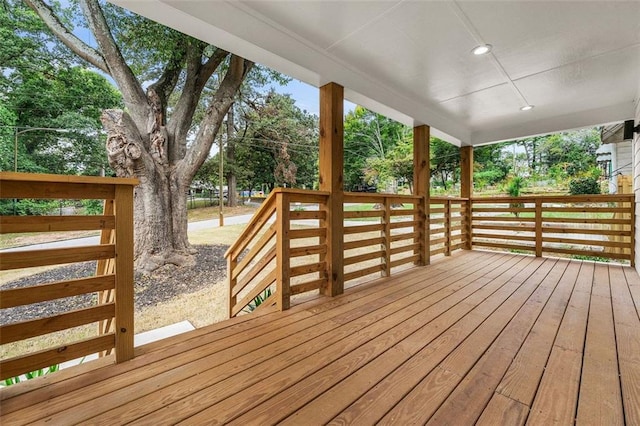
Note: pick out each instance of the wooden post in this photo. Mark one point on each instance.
(331, 180)
(538, 227)
(283, 265)
(124, 272)
(421, 176)
(387, 237)
(466, 190)
(447, 228)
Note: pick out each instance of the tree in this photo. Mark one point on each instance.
(445, 160)
(369, 139)
(573, 152)
(71, 99)
(148, 139)
(490, 166)
(279, 144)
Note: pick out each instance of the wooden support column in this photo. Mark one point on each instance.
(421, 177)
(466, 190)
(124, 272)
(331, 180)
(283, 245)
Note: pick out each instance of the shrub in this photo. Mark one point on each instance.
(259, 300)
(585, 185)
(513, 189)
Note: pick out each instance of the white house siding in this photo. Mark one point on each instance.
(623, 158)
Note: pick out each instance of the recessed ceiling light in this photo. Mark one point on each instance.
(483, 49)
(526, 108)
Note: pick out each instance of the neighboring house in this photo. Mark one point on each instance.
(614, 155)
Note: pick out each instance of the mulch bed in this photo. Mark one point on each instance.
(162, 285)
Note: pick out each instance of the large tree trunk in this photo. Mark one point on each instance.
(160, 204)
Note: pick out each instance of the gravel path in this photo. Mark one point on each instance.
(160, 286)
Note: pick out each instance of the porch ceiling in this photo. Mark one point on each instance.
(577, 62)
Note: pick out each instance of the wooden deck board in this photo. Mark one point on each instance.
(600, 395)
(223, 380)
(476, 337)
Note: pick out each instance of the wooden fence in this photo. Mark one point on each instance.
(113, 313)
(579, 226)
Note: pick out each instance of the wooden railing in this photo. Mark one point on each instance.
(113, 281)
(386, 231)
(449, 226)
(381, 238)
(600, 226)
(280, 253)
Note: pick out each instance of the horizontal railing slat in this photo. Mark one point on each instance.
(307, 269)
(307, 250)
(24, 224)
(308, 286)
(353, 214)
(405, 248)
(404, 260)
(15, 366)
(28, 259)
(349, 245)
(363, 228)
(307, 233)
(58, 190)
(503, 246)
(363, 257)
(307, 215)
(363, 272)
(11, 298)
(24, 330)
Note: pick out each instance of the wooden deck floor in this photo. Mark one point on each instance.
(478, 337)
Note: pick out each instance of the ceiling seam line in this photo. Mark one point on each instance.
(631, 46)
(335, 43)
(468, 25)
(472, 92)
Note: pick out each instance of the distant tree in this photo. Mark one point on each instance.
(371, 144)
(445, 160)
(573, 152)
(278, 144)
(490, 165)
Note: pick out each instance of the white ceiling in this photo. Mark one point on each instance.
(578, 62)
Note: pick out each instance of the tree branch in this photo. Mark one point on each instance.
(165, 85)
(197, 76)
(134, 96)
(76, 45)
(220, 104)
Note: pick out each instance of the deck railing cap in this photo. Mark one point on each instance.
(41, 177)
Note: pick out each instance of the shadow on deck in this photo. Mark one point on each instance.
(479, 336)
